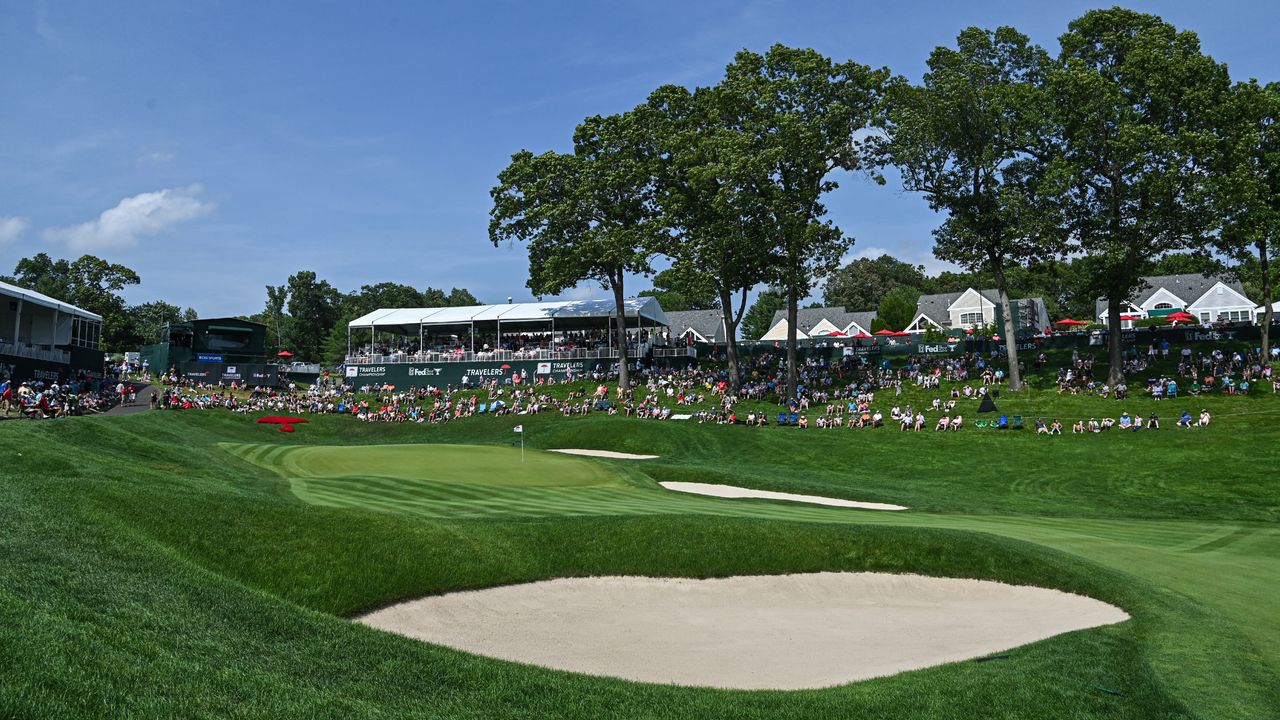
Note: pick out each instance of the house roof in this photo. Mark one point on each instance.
(807, 318)
(937, 307)
(1189, 287)
(707, 323)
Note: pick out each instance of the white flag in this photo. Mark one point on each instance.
(519, 428)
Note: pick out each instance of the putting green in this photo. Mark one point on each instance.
(455, 464)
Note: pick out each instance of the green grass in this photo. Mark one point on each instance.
(199, 565)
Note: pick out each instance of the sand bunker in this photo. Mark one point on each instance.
(605, 454)
(784, 632)
(731, 491)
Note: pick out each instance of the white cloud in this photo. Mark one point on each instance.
(132, 218)
(11, 228)
(157, 158)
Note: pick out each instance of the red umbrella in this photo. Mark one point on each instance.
(886, 331)
(862, 336)
(1069, 321)
(837, 333)
(901, 333)
(1182, 317)
(284, 354)
(1130, 318)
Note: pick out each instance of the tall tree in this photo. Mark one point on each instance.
(274, 318)
(807, 117)
(1247, 186)
(147, 319)
(1134, 104)
(759, 317)
(966, 138)
(585, 216)
(89, 282)
(708, 190)
(897, 309)
(313, 311)
(864, 281)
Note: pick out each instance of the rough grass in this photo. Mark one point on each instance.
(145, 571)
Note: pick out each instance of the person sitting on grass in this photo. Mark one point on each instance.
(957, 422)
(1126, 422)
(906, 422)
(919, 421)
(1137, 422)
(1153, 422)
(1041, 428)
(1077, 428)
(1055, 427)
(1185, 420)
(1094, 427)
(1204, 419)
(803, 423)
(877, 419)
(944, 424)
(1108, 423)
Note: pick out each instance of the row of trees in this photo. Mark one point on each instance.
(1130, 144)
(94, 284)
(308, 316)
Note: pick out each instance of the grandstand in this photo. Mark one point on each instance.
(46, 339)
(464, 345)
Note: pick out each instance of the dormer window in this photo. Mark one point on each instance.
(1163, 306)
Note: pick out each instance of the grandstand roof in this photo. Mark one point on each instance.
(567, 314)
(43, 300)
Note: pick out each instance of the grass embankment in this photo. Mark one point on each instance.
(149, 571)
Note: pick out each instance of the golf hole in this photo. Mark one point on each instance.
(777, 632)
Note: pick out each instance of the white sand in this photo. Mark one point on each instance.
(604, 454)
(732, 491)
(785, 632)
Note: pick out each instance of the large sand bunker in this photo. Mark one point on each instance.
(784, 632)
(733, 491)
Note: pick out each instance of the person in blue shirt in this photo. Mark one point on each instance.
(1185, 420)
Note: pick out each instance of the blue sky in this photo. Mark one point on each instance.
(217, 147)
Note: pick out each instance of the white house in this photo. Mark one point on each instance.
(821, 322)
(971, 308)
(1209, 299)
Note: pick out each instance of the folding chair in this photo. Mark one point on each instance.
(1017, 422)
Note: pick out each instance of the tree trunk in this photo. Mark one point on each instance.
(792, 303)
(623, 377)
(731, 339)
(1115, 375)
(1265, 263)
(1010, 342)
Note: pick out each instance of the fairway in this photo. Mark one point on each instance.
(244, 549)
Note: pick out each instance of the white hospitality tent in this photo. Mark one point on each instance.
(32, 318)
(564, 315)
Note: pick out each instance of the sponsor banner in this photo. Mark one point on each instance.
(208, 358)
(472, 373)
(239, 373)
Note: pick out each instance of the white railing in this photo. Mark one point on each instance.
(676, 352)
(485, 356)
(33, 352)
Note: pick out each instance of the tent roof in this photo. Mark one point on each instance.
(409, 319)
(43, 300)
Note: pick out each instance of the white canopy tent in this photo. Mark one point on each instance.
(565, 315)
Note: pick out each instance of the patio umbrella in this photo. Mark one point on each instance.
(901, 333)
(1069, 321)
(837, 333)
(862, 336)
(1182, 317)
(886, 331)
(1130, 318)
(284, 354)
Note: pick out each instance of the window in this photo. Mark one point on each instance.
(1163, 306)
(971, 318)
(1205, 317)
(1235, 316)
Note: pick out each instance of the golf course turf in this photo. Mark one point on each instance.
(201, 565)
